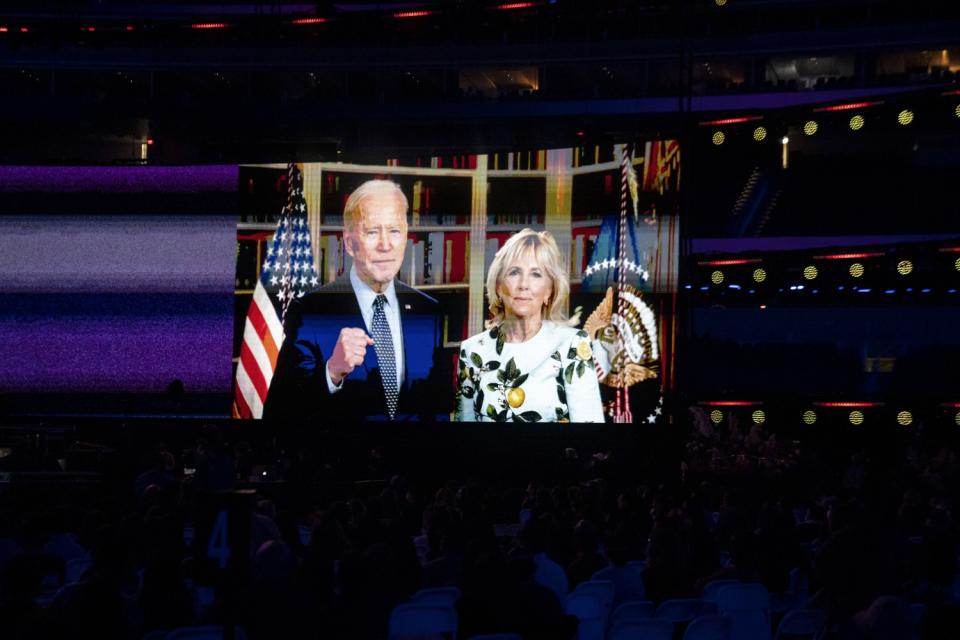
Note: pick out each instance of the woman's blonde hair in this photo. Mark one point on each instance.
(547, 255)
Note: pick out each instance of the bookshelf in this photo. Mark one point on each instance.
(458, 218)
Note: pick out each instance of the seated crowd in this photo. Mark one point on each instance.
(871, 542)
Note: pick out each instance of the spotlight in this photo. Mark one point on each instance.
(904, 418)
(956, 111)
(956, 419)
(956, 265)
(759, 417)
(810, 127)
(810, 272)
(760, 134)
(905, 117)
(809, 417)
(716, 277)
(785, 140)
(856, 417)
(904, 267)
(716, 416)
(718, 138)
(857, 122)
(856, 270)
(720, 3)
(759, 275)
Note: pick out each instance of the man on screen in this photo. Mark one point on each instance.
(365, 346)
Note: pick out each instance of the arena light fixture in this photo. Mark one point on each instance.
(848, 106)
(956, 419)
(729, 262)
(809, 417)
(759, 417)
(905, 117)
(412, 14)
(759, 275)
(856, 270)
(848, 256)
(956, 111)
(760, 134)
(308, 21)
(905, 267)
(904, 418)
(510, 6)
(848, 405)
(856, 417)
(718, 138)
(956, 265)
(716, 416)
(720, 3)
(208, 25)
(724, 121)
(810, 272)
(716, 277)
(810, 127)
(857, 122)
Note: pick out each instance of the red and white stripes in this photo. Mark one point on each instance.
(262, 337)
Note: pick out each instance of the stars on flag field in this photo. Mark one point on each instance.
(610, 263)
(288, 268)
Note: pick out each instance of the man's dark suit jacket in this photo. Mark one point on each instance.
(313, 323)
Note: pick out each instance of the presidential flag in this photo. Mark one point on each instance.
(288, 273)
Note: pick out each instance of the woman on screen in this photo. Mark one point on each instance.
(530, 365)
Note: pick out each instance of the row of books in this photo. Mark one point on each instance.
(432, 219)
(511, 160)
(444, 257)
(435, 258)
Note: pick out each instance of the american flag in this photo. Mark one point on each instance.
(288, 273)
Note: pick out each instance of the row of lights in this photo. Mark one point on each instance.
(400, 15)
(856, 123)
(810, 272)
(856, 417)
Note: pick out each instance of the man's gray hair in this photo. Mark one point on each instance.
(354, 206)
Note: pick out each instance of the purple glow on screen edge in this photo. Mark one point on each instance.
(127, 354)
(117, 304)
(120, 179)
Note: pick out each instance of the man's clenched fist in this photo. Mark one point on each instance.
(349, 353)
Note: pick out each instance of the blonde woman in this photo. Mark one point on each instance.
(530, 365)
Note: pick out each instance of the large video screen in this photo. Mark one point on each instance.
(580, 247)
(218, 291)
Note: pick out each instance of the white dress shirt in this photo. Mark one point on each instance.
(365, 298)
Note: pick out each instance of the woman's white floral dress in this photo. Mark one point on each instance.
(549, 378)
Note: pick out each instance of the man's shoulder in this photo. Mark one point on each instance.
(414, 300)
(334, 297)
